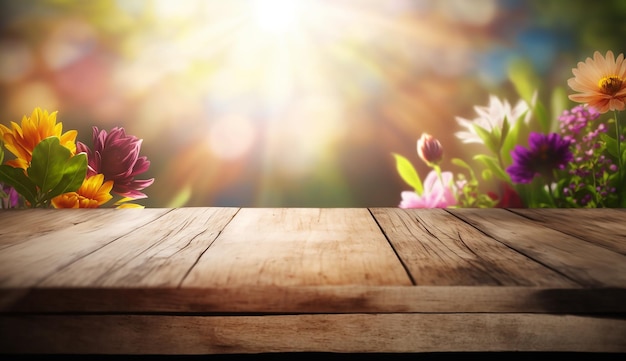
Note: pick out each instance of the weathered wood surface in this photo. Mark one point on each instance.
(341, 333)
(223, 280)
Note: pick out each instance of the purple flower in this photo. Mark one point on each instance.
(545, 154)
(12, 197)
(116, 156)
(573, 121)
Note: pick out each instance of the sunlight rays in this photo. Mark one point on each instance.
(278, 79)
(268, 97)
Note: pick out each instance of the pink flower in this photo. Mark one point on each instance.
(116, 156)
(435, 195)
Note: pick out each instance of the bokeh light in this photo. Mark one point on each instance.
(284, 103)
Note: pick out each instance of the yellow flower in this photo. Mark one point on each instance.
(601, 82)
(21, 140)
(92, 194)
(123, 203)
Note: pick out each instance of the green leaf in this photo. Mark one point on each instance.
(54, 170)
(463, 164)
(487, 174)
(506, 127)
(558, 103)
(492, 164)
(611, 144)
(491, 141)
(16, 178)
(408, 173)
(1, 153)
(542, 117)
(73, 176)
(524, 79)
(47, 165)
(526, 83)
(622, 198)
(511, 140)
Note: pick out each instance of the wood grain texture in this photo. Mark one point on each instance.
(315, 299)
(159, 254)
(602, 226)
(16, 226)
(39, 255)
(587, 264)
(149, 334)
(229, 280)
(439, 249)
(299, 247)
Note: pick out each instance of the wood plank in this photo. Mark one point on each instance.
(314, 299)
(158, 255)
(18, 225)
(439, 249)
(27, 263)
(299, 247)
(581, 261)
(156, 334)
(602, 226)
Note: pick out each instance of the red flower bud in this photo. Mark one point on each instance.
(429, 149)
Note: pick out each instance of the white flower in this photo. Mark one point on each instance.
(492, 117)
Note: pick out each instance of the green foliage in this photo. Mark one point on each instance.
(518, 131)
(490, 139)
(558, 103)
(494, 167)
(500, 142)
(470, 195)
(408, 173)
(52, 171)
(526, 82)
(611, 144)
(524, 79)
(16, 178)
(535, 194)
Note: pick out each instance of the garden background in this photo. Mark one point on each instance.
(298, 103)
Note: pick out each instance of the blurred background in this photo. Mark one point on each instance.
(286, 103)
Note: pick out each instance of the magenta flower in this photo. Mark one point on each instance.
(116, 156)
(545, 154)
(12, 197)
(435, 195)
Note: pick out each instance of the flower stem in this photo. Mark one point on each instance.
(552, 198)
(551, 191)
(438, 170)
(618, 136)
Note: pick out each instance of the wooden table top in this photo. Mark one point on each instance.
(250, 261)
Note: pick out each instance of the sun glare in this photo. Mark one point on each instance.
(276, 16)
(279, 80)
(279, 95)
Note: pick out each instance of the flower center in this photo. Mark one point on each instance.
(610, 84)
(543, 151)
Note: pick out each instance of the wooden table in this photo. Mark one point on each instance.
(338, 280)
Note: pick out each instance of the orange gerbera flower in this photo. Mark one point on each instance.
(92, 194)
(601, 82)
(22, 140)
